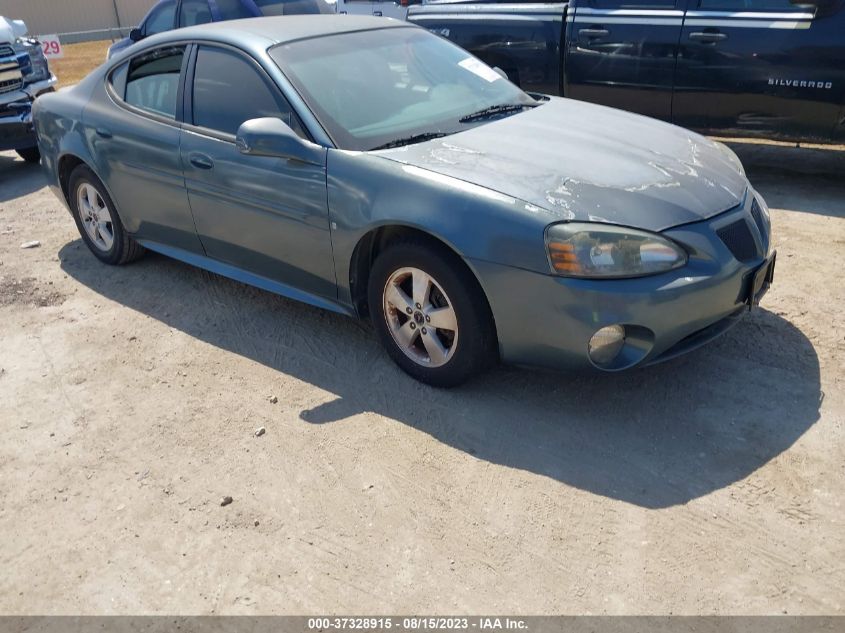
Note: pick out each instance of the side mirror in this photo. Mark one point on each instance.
(273, 137)
(136, 35)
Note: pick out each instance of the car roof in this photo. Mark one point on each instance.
(269, 31)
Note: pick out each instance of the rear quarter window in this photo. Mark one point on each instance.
(118, 80)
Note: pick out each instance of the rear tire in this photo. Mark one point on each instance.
(30, 154)
(97, 220)
(430, 314)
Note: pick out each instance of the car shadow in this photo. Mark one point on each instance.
(18, 178)
(796, 178)
(654, 437)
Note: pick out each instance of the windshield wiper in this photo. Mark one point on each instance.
(502, 108)
(408, 140)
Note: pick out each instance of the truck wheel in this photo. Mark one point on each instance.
(430, 314)
(97, 220)
(30, 154)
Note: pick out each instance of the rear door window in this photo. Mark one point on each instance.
(152, 82)
(161, 18)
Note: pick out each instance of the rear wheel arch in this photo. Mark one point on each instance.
(96, 217)
(67, 163)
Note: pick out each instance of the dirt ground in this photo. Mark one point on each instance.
(79, 60)
(130, 397)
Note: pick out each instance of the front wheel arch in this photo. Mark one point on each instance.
(374, 242)
(460, 293)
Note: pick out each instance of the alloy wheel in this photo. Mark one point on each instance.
(420, 317)
(95, 216)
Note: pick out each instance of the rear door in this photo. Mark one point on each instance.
(622, 53)
(760, 68)
(135, 135)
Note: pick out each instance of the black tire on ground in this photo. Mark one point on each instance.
(30, 154)
(476, 346)
(124, 248)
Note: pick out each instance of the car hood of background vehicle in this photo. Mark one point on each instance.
(590, 163)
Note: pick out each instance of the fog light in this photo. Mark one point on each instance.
(606, 344)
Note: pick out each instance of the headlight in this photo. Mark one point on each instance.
(38, 69)
(606, 251)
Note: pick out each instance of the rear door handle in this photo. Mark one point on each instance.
(103, 132)
(708, 37)
(593, 33)
(378, 13)
(201, 161)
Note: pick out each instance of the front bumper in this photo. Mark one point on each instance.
(16, 127)
(548, 321)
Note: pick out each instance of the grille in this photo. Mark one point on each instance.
(737, 237)
(10, 85)
(757, 214)
(10, 74)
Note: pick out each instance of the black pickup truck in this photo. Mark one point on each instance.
(750, 68)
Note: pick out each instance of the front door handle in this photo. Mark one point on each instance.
(103, 132)
(593, 33)
(708, 37)
(378, 13)
(201, 161)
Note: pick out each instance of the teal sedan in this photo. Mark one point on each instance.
(372, 168)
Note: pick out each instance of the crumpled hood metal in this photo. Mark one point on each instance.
(590, 163)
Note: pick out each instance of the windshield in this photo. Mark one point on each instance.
(393, 86)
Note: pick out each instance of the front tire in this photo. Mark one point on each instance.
(430, 313)
(30, 154)
(97, 220)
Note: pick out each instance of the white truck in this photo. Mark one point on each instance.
(24, 75)
(397, 9)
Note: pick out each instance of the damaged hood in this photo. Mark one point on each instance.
(591, 163)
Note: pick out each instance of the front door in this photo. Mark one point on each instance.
(760, 68)
(268, 216)
(622, 53)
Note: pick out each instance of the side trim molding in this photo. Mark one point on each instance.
(251, 279)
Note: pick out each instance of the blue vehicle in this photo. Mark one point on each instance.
(24, 76)
(174, 14)
(749, 68)
(369, 167)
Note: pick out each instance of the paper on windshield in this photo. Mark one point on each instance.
(476, 67)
